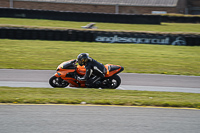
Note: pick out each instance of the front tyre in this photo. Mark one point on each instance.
(58, 82)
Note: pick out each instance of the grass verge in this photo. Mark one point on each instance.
(99, 97)
(135, 58)
(41, 23)
(180, 15)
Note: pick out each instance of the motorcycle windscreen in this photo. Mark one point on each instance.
(67, 65)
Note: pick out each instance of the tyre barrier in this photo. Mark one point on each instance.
(94, 17)
(100, 36)
(80, 16)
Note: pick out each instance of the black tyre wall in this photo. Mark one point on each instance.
(80, 16)
(92, 36)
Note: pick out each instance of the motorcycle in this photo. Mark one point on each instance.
(68, 71)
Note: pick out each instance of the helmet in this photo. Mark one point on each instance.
(83, 58)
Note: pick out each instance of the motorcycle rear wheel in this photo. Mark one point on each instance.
(58, 82)
(113, 82)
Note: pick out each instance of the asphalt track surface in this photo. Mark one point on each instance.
(130, 81)
(96, 119)
(99, 119)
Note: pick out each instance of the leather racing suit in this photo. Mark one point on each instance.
(95, 71)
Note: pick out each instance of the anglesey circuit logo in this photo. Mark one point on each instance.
(180, 41)
(136, 40)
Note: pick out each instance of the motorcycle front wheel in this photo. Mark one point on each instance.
(58, 82)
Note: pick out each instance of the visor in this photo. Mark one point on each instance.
(80, 62)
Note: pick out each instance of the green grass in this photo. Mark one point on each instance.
(135, 58)
(180, 15)
(96, 96)
(164, 27)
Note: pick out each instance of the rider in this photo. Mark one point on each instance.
(94, 68)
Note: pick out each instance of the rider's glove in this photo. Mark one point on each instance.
(74, 61)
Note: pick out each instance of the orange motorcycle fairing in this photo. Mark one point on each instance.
(72, 81)
(61, 73)
(64, 68)
(80, 70)
(66, 71)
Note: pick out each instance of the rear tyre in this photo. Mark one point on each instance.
(58, 82)
(112, 83)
